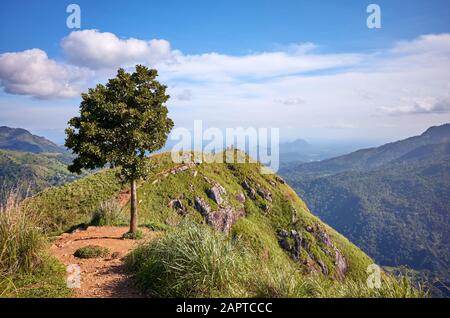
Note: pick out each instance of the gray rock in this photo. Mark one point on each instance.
(214, 194)
(324, 237)
(177, 205)
(341, 264)
(202, 206)
(223, 219)
(266, 209)
(323, 267)
(240, 197)
(250, 191)
(264, 193)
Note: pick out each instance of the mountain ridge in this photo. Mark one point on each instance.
(19, 139)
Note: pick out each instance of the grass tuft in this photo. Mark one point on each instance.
(138, 235)
(92, 251)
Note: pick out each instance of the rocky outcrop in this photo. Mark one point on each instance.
(265, 194)
(240, 197)
(223, 219)
(294, 248)
(202, 206)
(250, 191)
(177, 205)
(214, 194)
(292, 242)
(341, 264)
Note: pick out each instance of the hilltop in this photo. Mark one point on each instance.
(236, 199)
(20, 139)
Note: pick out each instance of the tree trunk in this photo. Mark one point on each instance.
(133, 220)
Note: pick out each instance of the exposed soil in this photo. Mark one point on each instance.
(101, 277)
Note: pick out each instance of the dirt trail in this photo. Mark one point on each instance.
(100, 277)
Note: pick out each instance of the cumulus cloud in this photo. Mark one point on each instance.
(100, 50)
(339, 88)
(421, 105)
(103, 50)
(31, 72)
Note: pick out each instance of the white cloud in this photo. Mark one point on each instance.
(351, 93)
(421, 105)
(102, 50)
(31, 72)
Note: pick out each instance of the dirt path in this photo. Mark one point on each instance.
(100, 277)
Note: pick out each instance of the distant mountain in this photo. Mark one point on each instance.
(371, 158)
(392, 201)
(19, 139)
(301, 151)
(29, 173)
(29, 163)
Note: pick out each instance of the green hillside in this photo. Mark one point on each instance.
(259, 209)
(392, 201)
(19, 139)
(32, 172)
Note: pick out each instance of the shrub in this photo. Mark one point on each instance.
(92, 251)
(133, 236)
(108, 213)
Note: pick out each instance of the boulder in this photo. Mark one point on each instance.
(341, 264)
(265, 194)
(177, 205)
(202, 206)
(240, 197)
(223, 219)
(215, 194)
(250, 191)
(323, 267)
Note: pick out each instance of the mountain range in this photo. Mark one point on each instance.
(393, 201)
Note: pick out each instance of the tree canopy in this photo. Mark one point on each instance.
(119, 123)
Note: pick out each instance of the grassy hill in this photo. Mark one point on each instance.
(227, 230)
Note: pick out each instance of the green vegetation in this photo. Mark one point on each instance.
(29, 173)
(109, 213)
(120, 123)
(392, 201)
(19, 139)
(252, 242)
(193, 260)
(25, 268)
(92, 251)
(63, 208)
(138, 235)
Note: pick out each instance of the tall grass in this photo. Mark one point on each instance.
(195, 261)
(21, 241)
(108, 213)
(26, 269)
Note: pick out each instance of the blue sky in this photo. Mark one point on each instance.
(318, 46)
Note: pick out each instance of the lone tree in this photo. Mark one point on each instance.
(118, 124)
